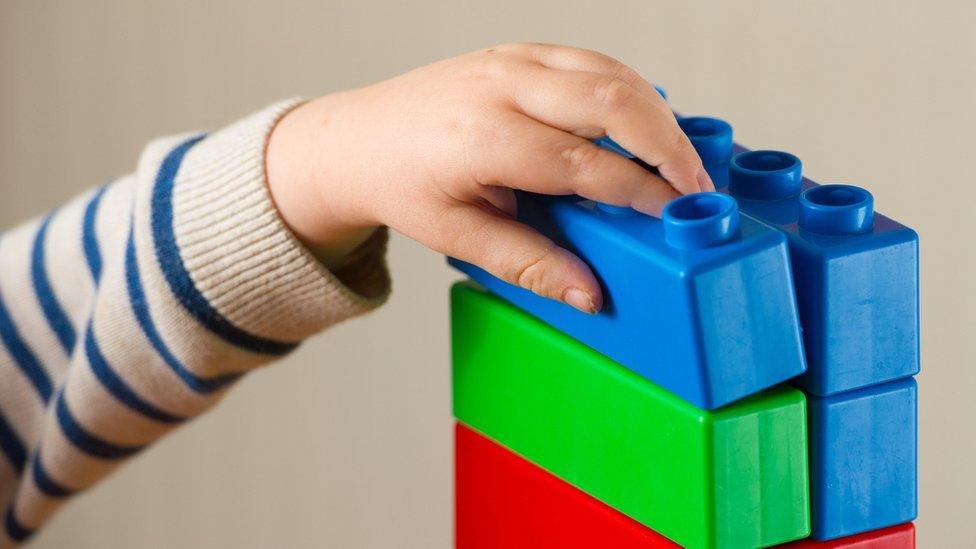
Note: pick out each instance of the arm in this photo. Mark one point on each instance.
(155, 294)
(136, 307)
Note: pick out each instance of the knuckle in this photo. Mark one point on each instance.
(612, 93)
(583, 159)
(596, 58)
(624, 73)
(477, 138)
(491, 68)
(497, 63)
(682, 146)
(530, 272)
(582, 55)
(505, 48)
(523, 50)
(610, 64)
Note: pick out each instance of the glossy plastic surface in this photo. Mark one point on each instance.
(735, 477)
(702, 220)
(863, 447)
(765, 175)
(503, 501)
(856, 271)
(836, 210)
(894, 537)
(857, 291)
(711, 318)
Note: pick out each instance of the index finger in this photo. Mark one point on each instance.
(568, 58)
(593, 105)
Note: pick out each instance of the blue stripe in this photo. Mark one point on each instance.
(56, 318)
(15, 530)
(140, 307)
(44, 481)
(86, 442)
(117, 386)
(11, 445)
(22, 354)
(89, 238)
(182, 286)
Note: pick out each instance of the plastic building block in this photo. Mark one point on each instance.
(863, 459)
(503, 501)
(735, 477)
(698, 302)
(894, 537)
(856, 271)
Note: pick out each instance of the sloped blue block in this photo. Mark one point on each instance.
(856, 271)
(699, 302)
(863, 447)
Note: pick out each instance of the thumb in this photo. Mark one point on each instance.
(519, 255)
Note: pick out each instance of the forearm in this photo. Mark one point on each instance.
(198, 280)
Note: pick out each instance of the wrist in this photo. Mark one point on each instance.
(296, 165)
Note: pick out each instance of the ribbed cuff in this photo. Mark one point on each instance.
(241, 255)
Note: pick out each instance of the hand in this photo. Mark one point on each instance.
(435, 154)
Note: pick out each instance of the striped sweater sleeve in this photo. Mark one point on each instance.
(135, 307)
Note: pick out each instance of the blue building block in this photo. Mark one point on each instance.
(863, 448)
(699, 302)
(856, 271)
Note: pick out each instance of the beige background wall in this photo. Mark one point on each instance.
(347, 443)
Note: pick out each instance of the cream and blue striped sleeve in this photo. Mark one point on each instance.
(135, 307)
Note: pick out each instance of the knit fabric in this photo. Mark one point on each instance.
(135, 307)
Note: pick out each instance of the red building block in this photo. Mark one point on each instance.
(505, 502)
(895, 537)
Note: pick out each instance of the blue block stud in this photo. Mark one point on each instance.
(700, 220)
(765, 175)
(856, 271)
(712, 138)
(701, 302)
(863, 459)
(836, 209)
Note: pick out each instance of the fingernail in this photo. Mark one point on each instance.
(705, 181)
(579, 299)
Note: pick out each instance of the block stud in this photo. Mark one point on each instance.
(700, 220)
(836, 210)
(712, 139)
(765, 175)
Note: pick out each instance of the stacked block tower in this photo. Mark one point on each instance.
(749, 382)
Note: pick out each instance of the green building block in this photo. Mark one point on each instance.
(733, 477)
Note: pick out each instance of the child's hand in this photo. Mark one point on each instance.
(436, 152)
